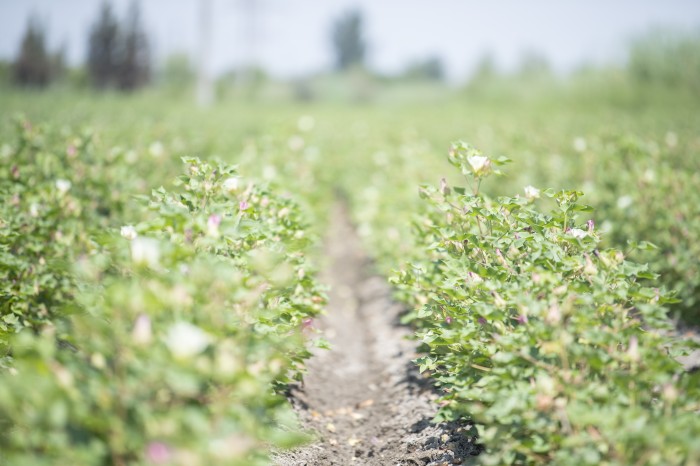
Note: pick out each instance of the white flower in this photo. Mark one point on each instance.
(671, 139)
(306, 123)
(63, 186)
(624, 202)
(213, 225)
(269, 172)
(128, 232)
(633, 349)
(578, 233)
(131, 156)
(580, 144)
(145, 251)
(479, 163)
(532, 193)
(231, 184)
(156, 149)
(185, 340)
(141, 333)
(296, 143)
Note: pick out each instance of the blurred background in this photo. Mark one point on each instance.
(303, 50)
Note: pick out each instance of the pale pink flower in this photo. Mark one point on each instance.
(158, 453)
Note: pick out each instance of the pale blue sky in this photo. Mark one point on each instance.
(294, 34)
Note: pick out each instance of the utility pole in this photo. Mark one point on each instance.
(205, 91)
(250, 40)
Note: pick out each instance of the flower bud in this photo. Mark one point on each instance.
(63, 186)
(531, 193)
(142, 334)
(128, 232)
(213, 225)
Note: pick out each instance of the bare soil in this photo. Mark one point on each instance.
(364, 400)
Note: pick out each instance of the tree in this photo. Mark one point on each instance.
(429, 69)
(119, 55)
(33, 64)
(103, 49)
(534, 65)
(348, 40)
(58, 63)
(134, 68)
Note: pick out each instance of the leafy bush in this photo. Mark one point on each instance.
(551, 344)
(666, 57)
(646, 192)
(56, 192)
(182, 328)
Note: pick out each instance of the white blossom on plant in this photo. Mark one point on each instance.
(142, 333)
(231, 184)
(129, 232)
(63, 186)
(185, 340)
(479, 163)
(213, 225)
(145, 251)
(532, 193)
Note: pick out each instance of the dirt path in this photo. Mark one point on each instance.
(364, 399)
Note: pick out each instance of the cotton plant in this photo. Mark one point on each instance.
(190, 324)
(545, 340)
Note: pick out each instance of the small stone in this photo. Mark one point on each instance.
(352, 441)
(330, 427)
(365, 404)
(457, 461)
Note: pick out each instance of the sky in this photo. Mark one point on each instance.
(292, 37)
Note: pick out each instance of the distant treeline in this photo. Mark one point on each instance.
(119, 57)
(118, 53)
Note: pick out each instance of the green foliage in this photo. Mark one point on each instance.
(56, 191)
(631, 148)
(668, 58)
(178, 333)
(644, 193)
(552, 344)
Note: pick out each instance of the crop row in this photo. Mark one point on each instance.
(552, 345)
(163, 341)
